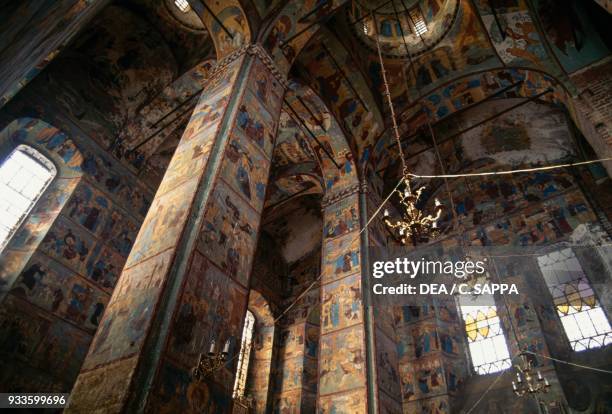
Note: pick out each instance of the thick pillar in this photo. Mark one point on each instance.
(342, 358)
(186, 279)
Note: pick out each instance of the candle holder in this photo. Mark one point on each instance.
(211, 362)
(246, 401)
(414, 224)
(527, 382)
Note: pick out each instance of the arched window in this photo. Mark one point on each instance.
(244, 356)
(416, 18)
(182, 5)
(487, 343)
(24, 176)
(583, 319)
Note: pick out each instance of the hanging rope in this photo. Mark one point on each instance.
(447, 186)
(491, 385)
(387, 93)
(605, 371)
(507, 172)
(431, 131)
(498, 377)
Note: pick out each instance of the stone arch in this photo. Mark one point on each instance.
(333, 74)
(235, 21)
(67, 159)
(289, 20)
(159, 120)
(338, 174)
(260, 370)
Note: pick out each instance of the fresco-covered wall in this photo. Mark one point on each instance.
(519, 210)
(33, 33)
(76, 250)
(61, 267)
(293, 232)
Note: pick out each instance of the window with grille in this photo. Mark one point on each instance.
(417, 20)
(24, 176)
(486, 340)
(584, 321)
(182, 5)
(244, 356)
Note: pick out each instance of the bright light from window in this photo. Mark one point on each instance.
(182, 5)
(486, 340)
(418, 21)
(245, 354)
(24, 175)
(582, 317)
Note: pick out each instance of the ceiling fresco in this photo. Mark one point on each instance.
(111, 74)
(342, 65)
(303, 163)
(465, 93)
(150, 138)
(294, 26)
(402, 33)
(333, 73)
(332, 149)
(453, 64)
(184, 33)
(265, 7)
(234, 31)
(292, 146)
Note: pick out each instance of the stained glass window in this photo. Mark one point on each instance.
(24, 176)
(582, 317)
(182, 5)
(244, 356)
(487, 343)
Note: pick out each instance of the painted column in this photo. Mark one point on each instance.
(186, 280)
(386, 382)
(263, 353)
(342, 358)
(298, 344)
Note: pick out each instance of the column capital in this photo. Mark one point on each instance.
(330, 199)
(363, 186)
(253, 49)
(258, 50)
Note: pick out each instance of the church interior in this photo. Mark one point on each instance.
(192, 193)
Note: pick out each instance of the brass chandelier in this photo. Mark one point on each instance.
(528, 383)
(414, 224)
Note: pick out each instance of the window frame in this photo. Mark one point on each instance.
(244, 356)
(182, 5)
(502, 333)
(548, 289)
(47, 164)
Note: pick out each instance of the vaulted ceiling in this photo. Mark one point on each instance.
(441, 57)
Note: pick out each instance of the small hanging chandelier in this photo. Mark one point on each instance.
(211, 362)
(526, 381)
(414, 224)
